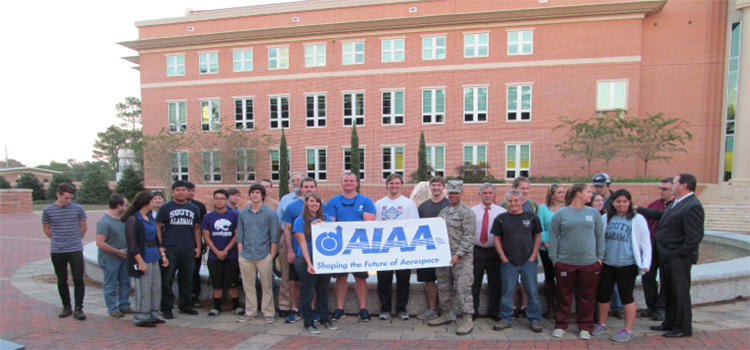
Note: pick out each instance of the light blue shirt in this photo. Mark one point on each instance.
(256, 231)
(283, 204)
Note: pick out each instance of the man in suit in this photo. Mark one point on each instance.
(678, 235)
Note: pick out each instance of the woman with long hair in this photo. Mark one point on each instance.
(627, 255)
(156, 202)
(555, 201)
(597, 202)
(576, 249)
(144, 252)
(311, 283)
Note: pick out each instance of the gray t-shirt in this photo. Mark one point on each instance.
(576, 236)
(430, 209)
(114, 232)
(618, 236)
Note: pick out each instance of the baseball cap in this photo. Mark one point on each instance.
(601, 179)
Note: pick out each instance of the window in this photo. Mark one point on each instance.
(393, 161)
(316, 111)
(275, 156)
(354, 52)
(354, 108)
(436, 159)
(316, 163)
(732, 84)
(212, 166)
(475, 104)
(476, 155)
(243, 60)
(177, 117)
(208, 62)
(393, 50)
(519, 102)
(175, 65)
(179, 166)
(279, 112)
(433, 106)
(433, 48)
(245, 165)
(393, 107)
(520, 43)
(243, 114)
(476, 45)
(315, 55)
(210, 115)
(278, 58)
(612, 95)
(517, 160)
(348, 162)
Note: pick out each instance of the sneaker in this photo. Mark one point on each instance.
(330, 325)
(127, 311)
(239, 311)
(364, 316)
(522, 313)
(270, 319)
(244, 318)
(146, 324)
(167, 314)
(213, 312)
(536, 327)
(66, 311)
(427, 314)
(624, 335)
(78, 314)
(188, 311)
(599, 329)
(558, 333)
(293, 317)
(316, 316)
(312, 330)
(585, 335)
(403, 315)
(384, 315)
(337, 315)
(116, 314)
(501, 326)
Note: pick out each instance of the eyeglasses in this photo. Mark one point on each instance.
(664, 189)
(219, 199)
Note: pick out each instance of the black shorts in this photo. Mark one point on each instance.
(224, 273)
(625, 279)
(363, 275)
(426, 274)
(293, 276)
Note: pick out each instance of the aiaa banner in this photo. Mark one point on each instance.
(380, 245)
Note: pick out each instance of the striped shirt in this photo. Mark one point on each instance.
(64, 224)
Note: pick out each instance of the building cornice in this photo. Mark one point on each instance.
(643, 7)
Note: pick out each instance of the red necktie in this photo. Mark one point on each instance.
(485, 225)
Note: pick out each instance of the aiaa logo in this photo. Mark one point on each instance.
(329, 243)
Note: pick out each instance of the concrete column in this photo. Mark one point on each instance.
(741, 156)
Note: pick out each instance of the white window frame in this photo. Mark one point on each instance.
(393, 51)
(432, 159)
(361, 161)
(213, 173)
(245, 115)
(181, 158)
(180, 123)
(519, 110)
(319, 170)
(213, 124)
(177, 67)
(352, 52)
(433, 114)
(279, 119)
(282, 61)
(209, 61)
(245, 159)
(354, 118)
(433, 48)
(476, 113)
(474, 153)
(318, 118)
(476, 45)
(516, 147)
(612, 85)
(520, 42)
(318, 52)
(275, 174)
(245, 57)
(393, 115)
(393, 167)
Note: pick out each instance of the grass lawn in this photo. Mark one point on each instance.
(87, 207)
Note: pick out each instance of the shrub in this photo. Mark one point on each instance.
(28, 180)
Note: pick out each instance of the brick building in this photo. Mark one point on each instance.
(485, 80)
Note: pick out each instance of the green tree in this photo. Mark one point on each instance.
(11, 163)
(160, 157)
(283, 166)
(53, 165)
(613, 142)
(115, 138)
(655, 137)
(28, 180)
(130, 112)
(354, 159)
(584, 138)
(130, 183)
(473, 173)
(4, 183)
(57, 179)
(423, 170)
(94, 187)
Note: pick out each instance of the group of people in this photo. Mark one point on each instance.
(583, 253)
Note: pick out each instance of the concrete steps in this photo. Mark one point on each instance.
(727, 207)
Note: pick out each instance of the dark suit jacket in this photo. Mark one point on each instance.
(680, 229)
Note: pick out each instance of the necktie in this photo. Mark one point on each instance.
(485, 225)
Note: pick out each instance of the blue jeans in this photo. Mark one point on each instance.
(615, 303)
(309, 284)
(509, 275)
(116, 284)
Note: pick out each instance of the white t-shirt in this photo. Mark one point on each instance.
(401, 208)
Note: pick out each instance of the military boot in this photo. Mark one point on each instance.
(467, 325)
(440, 321)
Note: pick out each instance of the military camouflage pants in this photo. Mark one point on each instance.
(456, 279)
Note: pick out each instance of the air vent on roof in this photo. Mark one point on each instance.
(412, 9)
(295, 19)
(190, 29)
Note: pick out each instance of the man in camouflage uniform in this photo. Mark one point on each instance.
(462, 226)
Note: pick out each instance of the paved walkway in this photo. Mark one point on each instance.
(29, 304)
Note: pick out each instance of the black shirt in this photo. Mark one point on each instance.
(517, 234)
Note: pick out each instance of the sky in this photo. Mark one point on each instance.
(63, 66)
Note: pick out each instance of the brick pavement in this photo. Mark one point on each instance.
(29, 305)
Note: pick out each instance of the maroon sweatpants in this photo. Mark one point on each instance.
(583, 279)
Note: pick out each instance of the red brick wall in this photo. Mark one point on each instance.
(15, 201)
